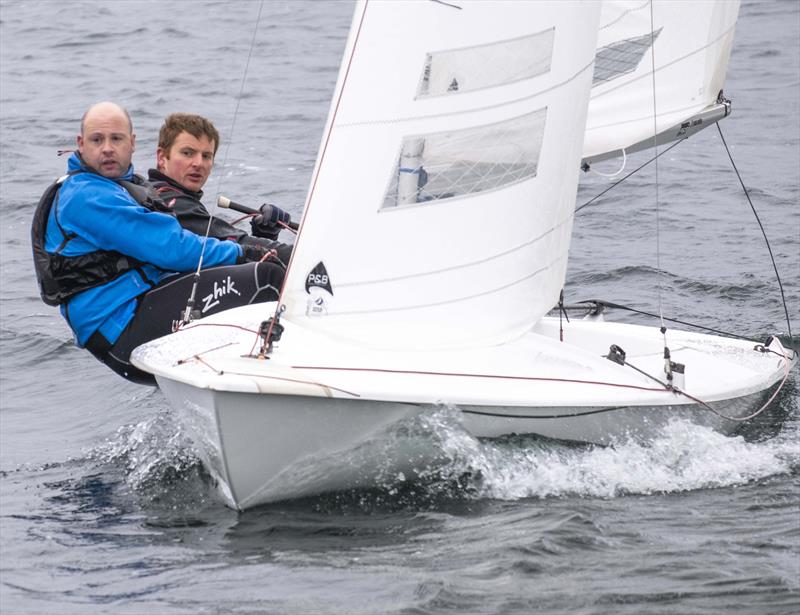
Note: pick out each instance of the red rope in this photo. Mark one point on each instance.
(287, 227)
(495, 376)
(216, 324)
(754, 414)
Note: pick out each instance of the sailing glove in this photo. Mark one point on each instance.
(251, 253)
(267, 223)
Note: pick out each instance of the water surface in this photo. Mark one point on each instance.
(104, 506)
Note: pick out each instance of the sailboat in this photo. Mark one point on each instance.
(452, 150)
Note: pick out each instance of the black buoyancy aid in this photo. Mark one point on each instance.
(62, 277)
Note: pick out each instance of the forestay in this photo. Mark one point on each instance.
(692, 43)
(441, 204)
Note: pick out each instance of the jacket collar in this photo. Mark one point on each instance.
(154, 175)
(77, 163)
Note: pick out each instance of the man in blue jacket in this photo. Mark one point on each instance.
(111, 251)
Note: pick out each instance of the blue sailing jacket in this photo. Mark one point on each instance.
(103, 216)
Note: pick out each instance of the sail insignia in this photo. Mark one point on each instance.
(319, 289)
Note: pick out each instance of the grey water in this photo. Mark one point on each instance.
(105, 508)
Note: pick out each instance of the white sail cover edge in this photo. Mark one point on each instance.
(441, 204)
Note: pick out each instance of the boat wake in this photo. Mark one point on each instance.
(156, 463)
(683, 457)
(441, 462)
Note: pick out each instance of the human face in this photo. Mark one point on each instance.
(188, 161)
(106, 142)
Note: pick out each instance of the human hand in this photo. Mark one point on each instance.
(269, 222)
(252, 253)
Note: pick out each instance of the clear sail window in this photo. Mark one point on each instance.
(621, 58)
(456, 163)
(483, 66)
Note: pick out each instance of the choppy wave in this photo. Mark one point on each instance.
(749, 287)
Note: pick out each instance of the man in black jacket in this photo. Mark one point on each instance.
(187, 145)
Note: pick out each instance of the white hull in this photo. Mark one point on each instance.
(288, 426)
(264, 448)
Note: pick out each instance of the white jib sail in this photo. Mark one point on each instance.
(440, 209)
(690, 43)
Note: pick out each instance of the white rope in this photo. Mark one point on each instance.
(615, 174)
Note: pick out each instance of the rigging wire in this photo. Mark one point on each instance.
(655, 148)
(238, 101)
(755, 214)
(763, 232)
(619, 306)
(187, 315)
(636, 170)
(668, 365)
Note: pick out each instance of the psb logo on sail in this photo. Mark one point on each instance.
(319, 289)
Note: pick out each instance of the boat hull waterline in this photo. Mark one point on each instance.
(282, 428)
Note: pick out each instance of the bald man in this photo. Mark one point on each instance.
(107, 141)
(110, 253)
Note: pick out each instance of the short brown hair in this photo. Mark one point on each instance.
(195, 125)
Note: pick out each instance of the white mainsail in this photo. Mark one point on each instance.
(441, 204)
(690, 44)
